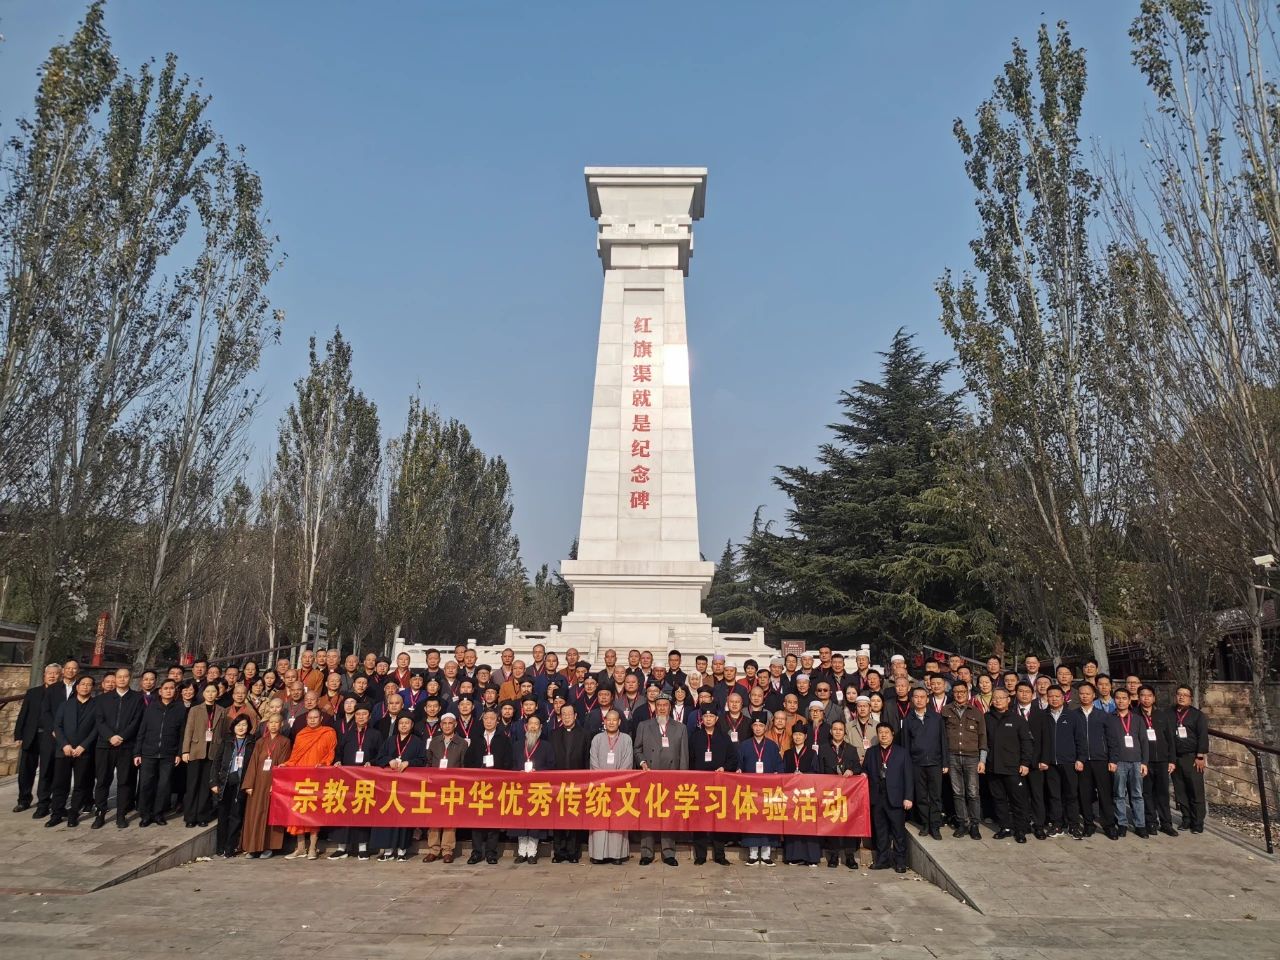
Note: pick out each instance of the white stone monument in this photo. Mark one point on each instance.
(639, 578)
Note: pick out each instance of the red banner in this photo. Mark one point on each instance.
(658, 801)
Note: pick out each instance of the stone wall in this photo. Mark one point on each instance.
(13, 681)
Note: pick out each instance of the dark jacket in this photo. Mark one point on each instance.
(572, 747)
(543, 756)
(724, 753)
(413, 752)
(1041, 726)
(1140, 752)
(351, 741)
(1009, 743)
(836, 763)
(500, 748)
(54, 697)
(894, 784)
(748, 757)
(1197, 729)
(1161, 749)
(926, 739)
(802, 763)
(75, 725)
(222, 759)
(1098, 736)
(1068, 744)
(27, 729)
(160, 732)
(118, 715)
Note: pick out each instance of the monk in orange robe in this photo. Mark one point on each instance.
(313, 746)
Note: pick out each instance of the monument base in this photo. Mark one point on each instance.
(645, 604)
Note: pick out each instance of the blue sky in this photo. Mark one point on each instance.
(423, 168)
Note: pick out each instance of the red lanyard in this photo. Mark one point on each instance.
(708, 742)
(817, 733)
(360, 740)
(488, 741)
(400, 746)
(1125, 721)
(466, 731)
(613, 741)
(902, 713)
(759, 749)
(884, 756)
(208, 716)
(1182, 717)
(528, 757)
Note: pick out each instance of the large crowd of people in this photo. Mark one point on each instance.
(1039, 755)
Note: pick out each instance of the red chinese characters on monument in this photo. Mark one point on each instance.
(641, 349)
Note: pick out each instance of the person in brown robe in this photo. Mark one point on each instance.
(259, 839)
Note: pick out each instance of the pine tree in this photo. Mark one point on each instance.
(843, 568)
(730, 602)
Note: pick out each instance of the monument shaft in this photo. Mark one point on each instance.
(639, 578)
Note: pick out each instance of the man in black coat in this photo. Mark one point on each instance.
(1155, 787)
(118, 715)
(1041, 726)
(710, 749)
(1010, 753)
(490, 749)
(572, 744)
(358, 747)
(35, 746)
(925, 739)
(1190, 750)
(891, 785)
(156, 754)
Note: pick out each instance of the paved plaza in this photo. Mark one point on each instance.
(1190, 897)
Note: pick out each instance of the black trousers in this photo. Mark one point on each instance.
(1095, 778)
(64, 799)
(112, 761)
(46, 750)
(350, 838)
(1009, 794)
(199, 802)
(487, 842)
(28, 767)
(1155, 794)
(701, 841)
(230, 815)
(1037, 812)
(1188, 788)
(1062, 789)
(566, 843)
(890, 827)
(154, 779)
(929, 796)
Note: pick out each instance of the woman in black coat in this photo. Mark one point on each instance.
(226, 772)
(531, 753)
(401, 750)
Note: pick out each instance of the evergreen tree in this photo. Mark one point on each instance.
(731, 602)
(849, 566)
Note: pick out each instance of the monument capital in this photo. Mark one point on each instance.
(646, 215)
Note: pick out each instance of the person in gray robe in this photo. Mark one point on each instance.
(610, 750)
(661, 744)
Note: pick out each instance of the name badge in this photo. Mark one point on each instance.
(266, 765)
(839, 696)
(759, 766)
(488, 759)
(866, 743)
(236, 762)
(707, 756)
(666, 741)
(1151, 734)
(1128, 740)
(444, 762)
(359, 756)
(208, 736)
(528, 766)
(610, 758)
(733, 735)
(1182, 733)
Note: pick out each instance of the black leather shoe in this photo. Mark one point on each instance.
(722, 861)
(1111, 833)
(1002, 834)
(43, 811)
(1168, 830)
(1040, 834)
(671, 861)
(1122, 832)
(959, 831)
(645, 861)
(556, 858)
(122, 824)
(832, 862)
(160, 821)
(974, 832)
(532, 860)
(935, 833)
(22, 808)
(699, 861)
(851, 863)
(922, 832)
(99, 821)
(899, 869)
(476, 857)
(1020, 838)
(1090, 830)
(144, 822)
(73, 820)
(491, 858)
(54, 820)
(1141, 832)
(1197, 829)
(881, 866)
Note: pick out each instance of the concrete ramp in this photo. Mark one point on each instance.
(61, 861)
(1191, 876)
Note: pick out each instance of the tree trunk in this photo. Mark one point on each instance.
(1097, 637)
(40, 649)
